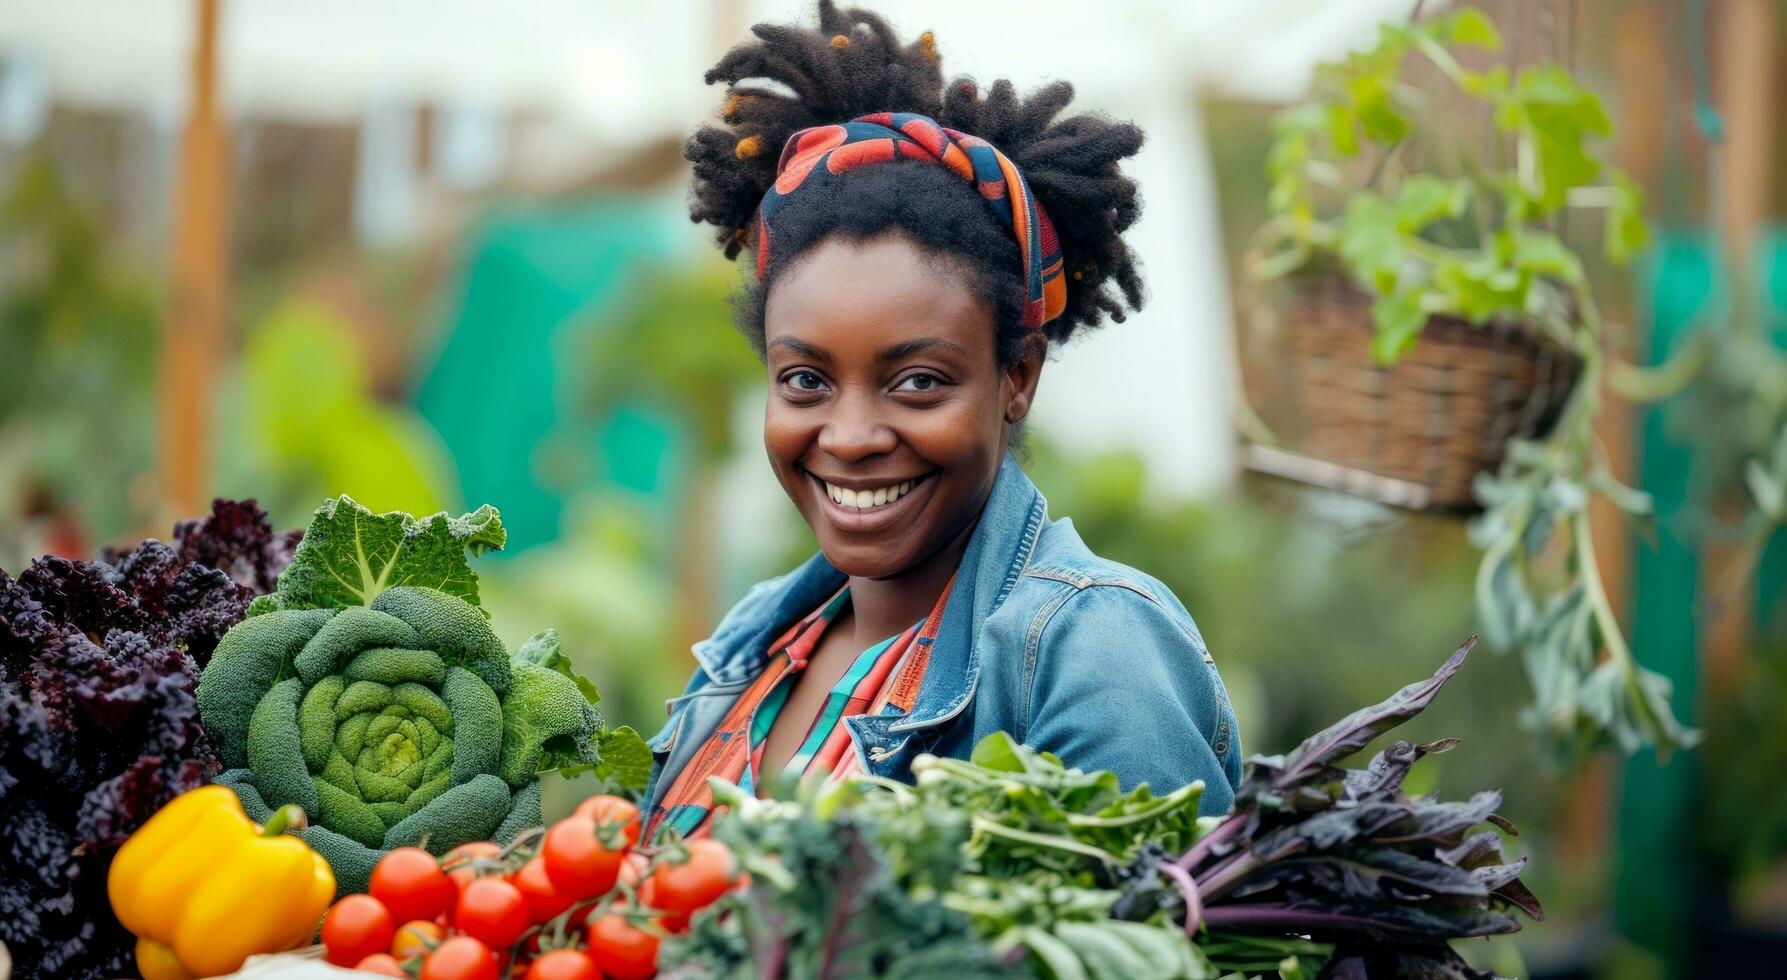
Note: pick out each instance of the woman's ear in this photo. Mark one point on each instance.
(1022, 376)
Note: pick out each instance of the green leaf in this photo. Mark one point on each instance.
(1397, 320)
(1636, 503)
(1341, 130)
(1502, 600)
(1626, 233)
(1468, 26)
(1377, 116)
(1424, 199)
(1558, 116)
(1371, 244)
(1544, 254)
(1479, 288)
(1167, 949)
(542, 650)
(1491, 85)
(1106, 955)
(349, 555)
(626, 760)
(998, 752)
(1287, 161)
(1058, 959)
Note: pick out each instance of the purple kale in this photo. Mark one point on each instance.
(98, 723)
(1316, 851)
(237, 539)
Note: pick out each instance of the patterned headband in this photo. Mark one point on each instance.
(826, 151)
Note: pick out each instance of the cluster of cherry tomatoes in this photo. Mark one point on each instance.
(579, 900)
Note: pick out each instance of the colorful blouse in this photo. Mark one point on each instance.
(884, 679)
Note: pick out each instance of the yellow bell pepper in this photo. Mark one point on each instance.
(203, 888)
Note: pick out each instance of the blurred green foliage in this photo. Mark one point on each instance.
(675, 349)
(300, 423)
(78, 332)
(1470, 242)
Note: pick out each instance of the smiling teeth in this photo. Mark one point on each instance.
(864, 499)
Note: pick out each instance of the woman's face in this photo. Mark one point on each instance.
(888, 413)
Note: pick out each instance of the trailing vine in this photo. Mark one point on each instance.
(1479, 246)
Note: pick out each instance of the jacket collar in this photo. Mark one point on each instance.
(997, 552)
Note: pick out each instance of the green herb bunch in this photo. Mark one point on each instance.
(834, 894)
(1012, 863)
(999, 866)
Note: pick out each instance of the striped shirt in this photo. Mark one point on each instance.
(884, 679)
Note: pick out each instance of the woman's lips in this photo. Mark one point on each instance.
(875, 517)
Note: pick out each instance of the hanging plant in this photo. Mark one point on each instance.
(1348, 197)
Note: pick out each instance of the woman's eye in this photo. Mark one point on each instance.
(805, 381)
(919, 382)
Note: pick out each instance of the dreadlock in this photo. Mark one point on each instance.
(791, 78)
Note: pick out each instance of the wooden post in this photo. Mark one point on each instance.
(198, 293)
(1744, 75)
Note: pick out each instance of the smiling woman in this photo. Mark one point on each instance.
(918, 248)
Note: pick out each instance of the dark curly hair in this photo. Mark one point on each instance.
(853, 64)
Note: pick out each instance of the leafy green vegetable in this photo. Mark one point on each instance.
(1012, 860)
(1014, 850)
(350, 555)
(832, 896)
(1029, 810)
(400, 719)
(626, 760)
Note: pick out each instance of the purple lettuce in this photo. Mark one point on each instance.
(98, 726)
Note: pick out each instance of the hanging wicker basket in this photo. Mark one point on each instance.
(1414, 434)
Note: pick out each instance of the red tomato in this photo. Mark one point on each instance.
(355, 928)
(576, 861)
(637, 873)
(564, 964)
(675, 923)
(694, 883)
(492, 911)
(636, 868)
(412, 885)
(544, 902)
(460, 958)
(382, 964)
(612, 811)
(416, 938)
(467, 858)
(622, 950)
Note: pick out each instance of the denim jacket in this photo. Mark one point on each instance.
(1066, 651)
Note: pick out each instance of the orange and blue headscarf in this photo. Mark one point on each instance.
(822, 152)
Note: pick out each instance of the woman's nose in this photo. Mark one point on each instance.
(856, 430)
